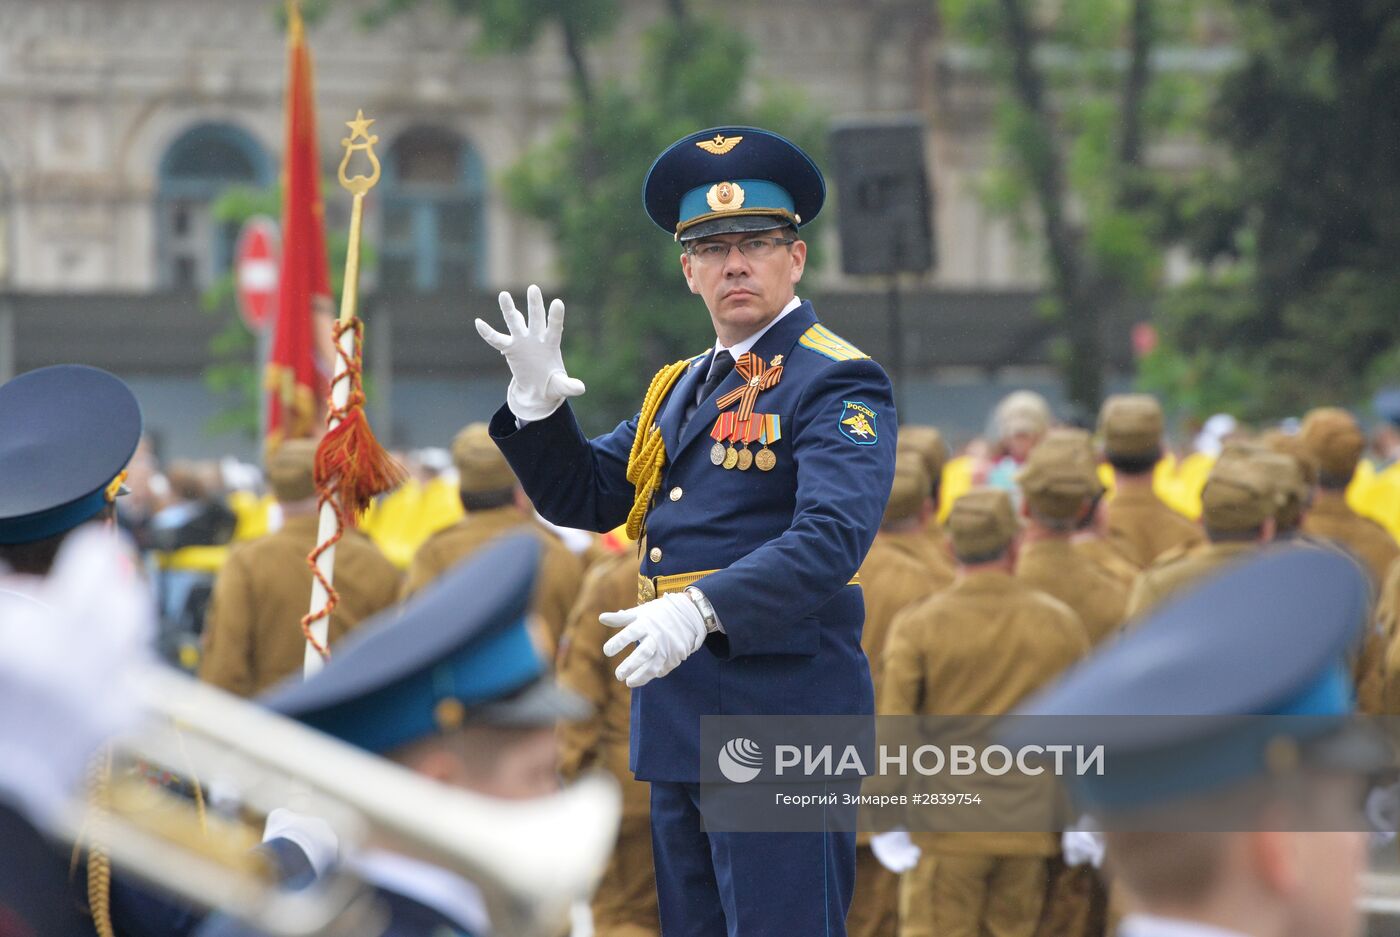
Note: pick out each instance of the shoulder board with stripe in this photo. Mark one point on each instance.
(827, 343)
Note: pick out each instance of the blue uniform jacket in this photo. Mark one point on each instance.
(784, 542)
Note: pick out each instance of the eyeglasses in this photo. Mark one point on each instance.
(716, 252)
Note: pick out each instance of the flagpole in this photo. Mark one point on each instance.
(334, 508)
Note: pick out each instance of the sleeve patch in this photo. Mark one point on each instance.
(858, 423)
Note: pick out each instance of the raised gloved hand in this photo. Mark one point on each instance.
(895, 850)
(666, 631)
(538, 381)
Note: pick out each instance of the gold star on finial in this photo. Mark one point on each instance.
(359, 127)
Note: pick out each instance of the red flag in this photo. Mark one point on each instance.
(295, 377)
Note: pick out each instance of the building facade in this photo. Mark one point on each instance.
(122, 121)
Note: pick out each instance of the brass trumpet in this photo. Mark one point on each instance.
(531, 860)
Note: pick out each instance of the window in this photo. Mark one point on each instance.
(192, 249)
(431, 227)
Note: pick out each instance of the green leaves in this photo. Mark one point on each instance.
(630, 311)
(1304, 214)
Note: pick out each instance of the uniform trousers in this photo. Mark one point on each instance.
(972, 896)
(719, 884)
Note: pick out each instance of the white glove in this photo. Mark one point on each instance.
(1383, 808)
(315, 836)
(895, 851)
(538, 381)
(1082, 847)
(666, 631)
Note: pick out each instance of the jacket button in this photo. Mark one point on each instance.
(676, 493)
(655, 554)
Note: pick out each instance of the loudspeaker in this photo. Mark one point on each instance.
(884, 204)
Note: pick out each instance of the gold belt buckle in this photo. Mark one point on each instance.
(646, 588)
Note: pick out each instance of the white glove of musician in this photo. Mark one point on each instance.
(1082, 847)
(666, 631)
(538, 381)
(315, 836)
(895, 850)
(1383, 810)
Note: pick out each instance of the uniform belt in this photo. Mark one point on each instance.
(649, 587)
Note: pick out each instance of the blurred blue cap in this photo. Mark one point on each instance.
(458, 652)
(1386, 403)
(66, 433)
(1270, 637)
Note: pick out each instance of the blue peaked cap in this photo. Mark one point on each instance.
(459, 647)
(66, 432)
(731, 179)
(1269, 637)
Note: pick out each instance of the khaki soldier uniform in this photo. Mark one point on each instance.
(1060, 483)
(1139, 523)
(893, 577)
(1387, 616)
(1332, 437)
(1335, 442)
(252, 636)
(483, 471)
(979, 647)
(1112, 560)
(928, 443)
(625, 902)
(1237, 498)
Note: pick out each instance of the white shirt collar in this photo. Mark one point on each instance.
(1150, 925)
(445, 892)
(738, 348)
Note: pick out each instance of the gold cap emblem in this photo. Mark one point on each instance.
(449, 714)
(725, 196)
(719, 145)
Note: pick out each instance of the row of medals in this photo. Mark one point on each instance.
(742, 459)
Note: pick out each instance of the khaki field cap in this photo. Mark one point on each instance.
(1285, 474)
(1237, 496)
(910, 488)
(289, 470)
(1335, 440)
(1021, 412)
(1061, 474)
(928, 443)
(480, 466)
(982, 523)
(1292, 446)
(1131, 425)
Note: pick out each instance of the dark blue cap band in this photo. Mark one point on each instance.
(46, 524)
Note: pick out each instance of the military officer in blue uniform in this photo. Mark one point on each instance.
(756, 475)
(1185, 794)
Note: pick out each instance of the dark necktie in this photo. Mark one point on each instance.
(719, 369)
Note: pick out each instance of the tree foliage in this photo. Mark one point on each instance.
(1297, 235)
(630, 310)
(233, 374)
(1078, 101)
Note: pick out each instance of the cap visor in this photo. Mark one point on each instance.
(738, 224)
(542, 703)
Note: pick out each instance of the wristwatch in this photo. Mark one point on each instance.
(707, 611)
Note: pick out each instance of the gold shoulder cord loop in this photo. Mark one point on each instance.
(99, 868)
(648, 454)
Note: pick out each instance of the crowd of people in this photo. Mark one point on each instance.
(760, 540)
(994, 570)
